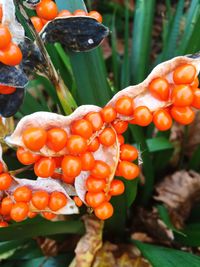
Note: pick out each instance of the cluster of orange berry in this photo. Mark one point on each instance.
(182, 94)
(78, 147)
(10, 53)
(47, 10)
(25, 202)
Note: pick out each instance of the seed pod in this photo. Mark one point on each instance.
(33, 60)
(31, 3)
(75, 33)
(12, 76)
(48, 120)
(9, 104)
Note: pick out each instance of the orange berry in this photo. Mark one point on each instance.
(11, 55)
(196, 100)
(22, 194)
(78, 201)
(48, 215)
(107, 137)
(37, 23)
(94, 145)
(108, 114)
(128, 152)
(3, 224)
(44, 21)
(1, 167)
(101, 170)
(95, 119)
(47, 10)
(57, 201)
(68, 179)
(162, 120)
(40, 200)
(183, 115)
(56, 139)
(95, 184)
(58, 161)
(19, 211)
(1, 12)
(128, 170)
(80, 12)
(95, 199)
(182, 95)
(120, 139)
(96, 15)
(76, 145)
(6, 206)
(32, 215)
(5, 37)
(71, 166)
(64, 13)
(116, 188)
(184, 74)
(195, 83)
(142, 116)
(26, 157)
(56, 176)
(34, 138)
(88, 161)
(159, 88)
(5, 181)
(45, 167)
(104, 211)
(120, 126)
(7, 90)
(82, 127)
(124, 105)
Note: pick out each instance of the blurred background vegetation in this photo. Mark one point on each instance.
(143, 33)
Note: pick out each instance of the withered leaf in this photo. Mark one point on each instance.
(12, 76)
(75, 33)
(179, 192)
(9, 104)
(89, 244)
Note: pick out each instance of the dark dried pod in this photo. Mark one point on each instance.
(33, 60)
(12, 76)
(75, 33)
(9, 104)
(31, 3)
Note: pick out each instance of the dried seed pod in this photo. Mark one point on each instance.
(12, 76)
(9, 104)
(33, 60)
(31, 3)
(140, 93)
(75, 33)
(49, 185)
(47, 120)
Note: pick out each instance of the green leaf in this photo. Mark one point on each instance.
(88, 68)
(164, 215)
(173, 33)
(125, 72)
(194, 162)
(158, 144)
(141, 43)
(191, 24)
(148, 167)
(39, 228)
(10, 245)
(166, 257)
(191, 235)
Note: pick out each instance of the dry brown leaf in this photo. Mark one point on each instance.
(179, 192)
(111, 255)
(6, 128)
(149, 223)
(90, 243)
